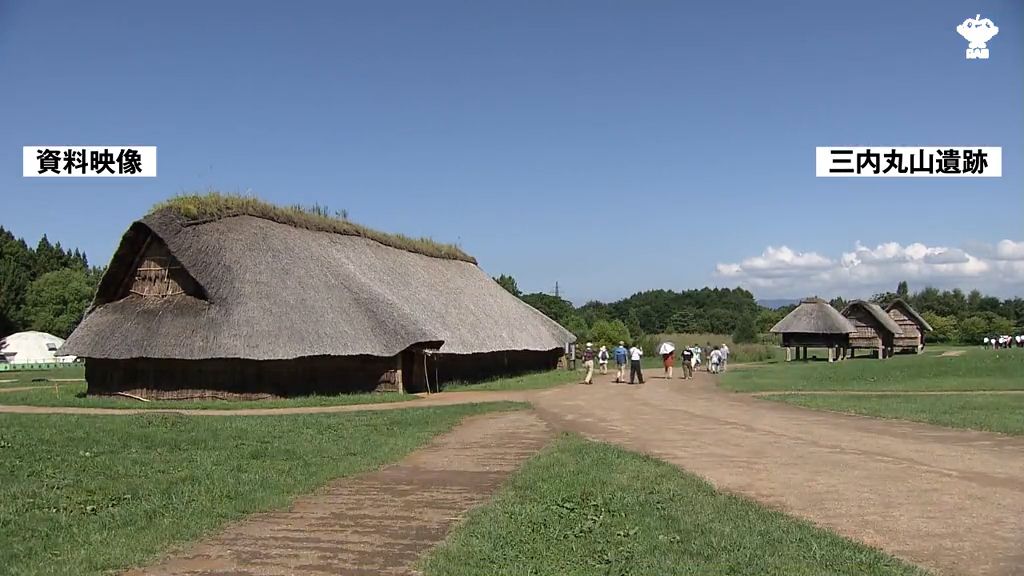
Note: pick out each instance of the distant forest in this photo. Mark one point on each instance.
(46, 288)
(955, 316)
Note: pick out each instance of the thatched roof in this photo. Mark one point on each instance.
(814, 316)
(909, 311)
(876, 312)
(214, 206)
(266, 290)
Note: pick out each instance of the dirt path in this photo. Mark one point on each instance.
(950, 500)
(375, 523)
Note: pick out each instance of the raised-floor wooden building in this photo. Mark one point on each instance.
(912, 326)
(814, 323)
(873, 328)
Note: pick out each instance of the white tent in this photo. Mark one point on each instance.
(32, 348)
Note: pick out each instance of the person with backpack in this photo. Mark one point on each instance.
(588, 363)
(621, 356)
(602, 359)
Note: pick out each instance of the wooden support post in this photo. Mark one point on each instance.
(881, 352)
(805, 353)
(831, 352)
(398, 374)
(789, 354)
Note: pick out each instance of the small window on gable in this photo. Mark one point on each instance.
(51, 346)
(159, 274)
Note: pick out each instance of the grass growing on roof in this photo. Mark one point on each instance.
(1002, 413)
(74, 395)
(214, 205)
(975, 370)
(582, 508)
(95, 494)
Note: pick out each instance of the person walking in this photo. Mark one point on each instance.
(668, 360)
(715, 360)
(588, 363)
(725, 357)
(602, 359)
(621, 356)
(635, 372)
(687, 358)
(707, 354)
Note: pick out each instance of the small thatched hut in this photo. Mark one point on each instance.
(912, 326)
(814, 324)
(229, 297)
(874, 329)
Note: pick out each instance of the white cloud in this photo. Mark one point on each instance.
(1009, 250)
(783, 272)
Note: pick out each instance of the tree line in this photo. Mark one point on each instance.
(46, 288)
(706, 310)
(956, 317)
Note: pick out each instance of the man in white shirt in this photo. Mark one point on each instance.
(635, 354)
(715, 361)
(725, 357)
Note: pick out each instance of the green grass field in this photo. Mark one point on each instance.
(990, 412)
(74, 395)
(975, 370)
(582, 508)
(16, 378)
(95, 494)
(533, 381)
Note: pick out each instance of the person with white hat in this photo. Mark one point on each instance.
(602, 359)
(588, 363)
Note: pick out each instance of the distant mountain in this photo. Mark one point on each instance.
(778, 302)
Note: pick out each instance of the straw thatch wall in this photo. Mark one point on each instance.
(220, 300)
(912, 327)
(234, 379)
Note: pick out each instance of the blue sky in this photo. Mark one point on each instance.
(608, 146)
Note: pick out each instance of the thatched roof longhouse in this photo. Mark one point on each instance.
(249, 287)
(813, 316)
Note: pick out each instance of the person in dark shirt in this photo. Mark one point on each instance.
(687, 358)
(588, 363)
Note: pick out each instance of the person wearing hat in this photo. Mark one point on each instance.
(588, 363)
(621, 357)
(602, 359)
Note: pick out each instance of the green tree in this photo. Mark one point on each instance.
(944, 328)
(56, 301)
(608, 333)
(902, 290)
(973, 329)
(16, 262)
(574, 323)
(553, 307)
(838, 303)
(766, 319)
(683, 322)
(746, 330)
(509, 283)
